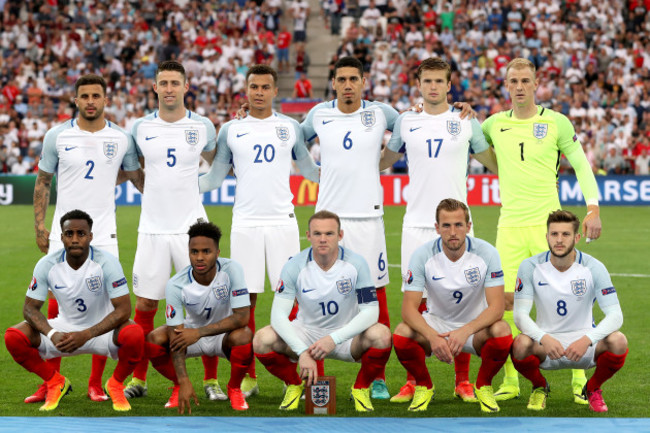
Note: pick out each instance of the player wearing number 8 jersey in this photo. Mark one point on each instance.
(563, 284)
(337, 318)
(528, 141)
(463, 280)
(351, 132)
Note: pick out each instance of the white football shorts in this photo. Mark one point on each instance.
(154, 257)
(566, 338)
(441, 326)
(101, 345)
(366, 237)
(211, 345)
(309, 335)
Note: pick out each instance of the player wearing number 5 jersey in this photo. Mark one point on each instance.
(562, 283)
(86, 154)
(463, 281)
(529, 141)
(337, 317)
(351, 132)
(261, 148)
(170, 142)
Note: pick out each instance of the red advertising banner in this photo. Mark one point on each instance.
(482, 190)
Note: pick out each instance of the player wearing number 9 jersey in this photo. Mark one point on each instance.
(337, 317)
(528, 141)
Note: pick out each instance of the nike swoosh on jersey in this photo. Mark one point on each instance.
(70, 148)
(189, 305)
(505, 129)
(325, 122)
(382, 276)
(539, 283)
(150, 138)
(307, 291)
(241, 135)
(436, 279)
(414, 129)
(56, 286)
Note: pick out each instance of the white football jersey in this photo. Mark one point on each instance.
(455, 291)
(261, 152)
(328, 299)
(84, 295)
(437, 148)
(172, 152)
(86, 166)
(205, 304)
(350, 146)
(564, 300)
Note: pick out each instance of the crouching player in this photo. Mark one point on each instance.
(94, 310)
(337, 318)
(463, 281)
(213, 292)
(562, 283)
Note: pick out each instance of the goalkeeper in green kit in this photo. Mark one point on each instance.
(528, 141)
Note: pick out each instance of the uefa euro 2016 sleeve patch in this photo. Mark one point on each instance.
(408, 278)
(170, 312)
(608, 290)
(33, 285)
(280, 287)
(519, 285)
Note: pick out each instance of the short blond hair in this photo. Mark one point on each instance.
(520, 63)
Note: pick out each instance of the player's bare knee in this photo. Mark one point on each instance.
(145, 304)
(404, 330)
(522, 347)
(616, 342)
(158, 336)
(379, 336)
(263, 340)
(240, 336)
(500, 329)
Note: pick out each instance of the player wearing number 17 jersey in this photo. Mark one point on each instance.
(529, 141)
(563, 284)
(351, 133)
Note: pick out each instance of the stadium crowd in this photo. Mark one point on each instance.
(592, 60)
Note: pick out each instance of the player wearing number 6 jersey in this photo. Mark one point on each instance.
(563, 283)
(260, 148)
(171, 142)
(463, 280)
(351, 133)
(86, 154)
(91, 289)
(529, 141)
(337, 317)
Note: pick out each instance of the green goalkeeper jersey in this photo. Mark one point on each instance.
(528, 154)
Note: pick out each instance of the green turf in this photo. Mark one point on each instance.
(623, 248)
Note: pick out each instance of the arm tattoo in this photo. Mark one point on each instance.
(178, 359)
(33, 316)
(41, 197)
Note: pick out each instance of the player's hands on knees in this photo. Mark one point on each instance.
(185, 395)
(72, 341)
(43, 239)
(455, 340)
(466, 110)
(440, 348)
(577, 349)
(552, 347)
(183, 338)
(591, 224)
(321, 348)
(307, 364)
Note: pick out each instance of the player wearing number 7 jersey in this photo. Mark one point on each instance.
(529, 141)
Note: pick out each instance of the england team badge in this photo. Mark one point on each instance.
(320, 393)
(192, 136)
(540, 130)
(94, 284)
(344, 286)
(368, 118)
(220, 292)
(453, 127)
(110, 149)
(473, 276)
(579, 287)
(282, 132)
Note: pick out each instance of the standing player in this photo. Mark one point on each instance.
(463, 280)
(437, 142)
(90, 286)
(213, 292)
(86, 154)
(170, 141)
(338, 316)
(261, 148)
(529, 141)
(351, 132)
(562, 283)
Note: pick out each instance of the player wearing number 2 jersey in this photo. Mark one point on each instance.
(463, 280)
(563, 283)
(337, 318)
(529, 141)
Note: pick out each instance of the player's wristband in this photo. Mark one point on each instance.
(51, 333)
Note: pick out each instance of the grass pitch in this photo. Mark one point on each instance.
(623, 248)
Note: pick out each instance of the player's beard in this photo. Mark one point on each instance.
(460, 246)
(569, 250)
(98, 113)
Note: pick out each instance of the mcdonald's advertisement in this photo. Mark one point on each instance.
(482, 190)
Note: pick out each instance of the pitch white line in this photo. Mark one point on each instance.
(631, 275)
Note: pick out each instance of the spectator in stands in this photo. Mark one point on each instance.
(303, 87)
